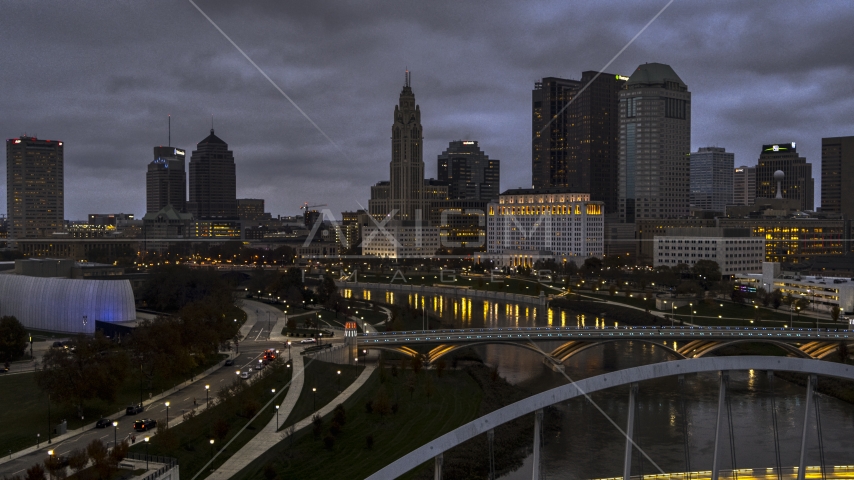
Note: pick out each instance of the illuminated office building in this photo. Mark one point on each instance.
(35, 201)
(797, 182)
(213, 180)
(166, 180)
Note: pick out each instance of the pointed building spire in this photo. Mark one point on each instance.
(406, 79)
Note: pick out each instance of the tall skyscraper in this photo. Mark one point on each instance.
(579, 150)
(655, 142)
(711, 178)
(797, 182)
(469, 173)
(406, 191)
(744, 185)
(166, 180)
(35, 190)
(837, 175)
(213, 180)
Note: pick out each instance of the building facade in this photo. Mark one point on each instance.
(837, 175)
(744, 185)
(576, 135)
(797, 182)
(655, 142)
(213, 180)
(545, 220)
(166, 180)
(251, 209)
(401, 240)
(469, 173)
(733, 254)
(823, 293)
(35, 188)
(711, 179)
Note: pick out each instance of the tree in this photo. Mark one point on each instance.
(706, 272)
(158, 349)
(94, 368)
(118, 453)
(36, 472)
(78, 459)
(327, 290)
(98, 454)
(53, 464)
(834, 313)
(13, 339)
(776, 298)
(292, 325)
(172, 287)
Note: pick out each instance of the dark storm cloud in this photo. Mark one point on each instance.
(103, 76)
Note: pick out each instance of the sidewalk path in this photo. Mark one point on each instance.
(268, 437)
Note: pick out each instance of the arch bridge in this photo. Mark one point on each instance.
(629, 377)
(682, 342)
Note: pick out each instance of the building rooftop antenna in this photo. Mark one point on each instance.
(170, 132)
(406, 78)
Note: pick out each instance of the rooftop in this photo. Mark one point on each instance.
(654, 74)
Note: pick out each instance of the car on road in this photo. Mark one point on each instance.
(229, 362)
(308, 340)
(103, 423)
(244, 375)
(144, 425)
(134, 409)
(259, 366)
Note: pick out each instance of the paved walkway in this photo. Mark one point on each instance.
(268, 437)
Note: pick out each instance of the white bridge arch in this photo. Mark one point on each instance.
(482, 425)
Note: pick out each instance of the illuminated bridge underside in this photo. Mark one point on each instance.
(696, 342)
(628, 376)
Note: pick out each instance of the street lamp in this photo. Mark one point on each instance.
(50, 461)
(38, 439)
(167, 414)
(207, 395)
(289, 351)
(146, 453)
(115, 433)
(212, 442)
(314, 398)
(339, 381)
(277, 417)
(691, 306)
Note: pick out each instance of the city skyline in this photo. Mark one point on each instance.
(111, 108)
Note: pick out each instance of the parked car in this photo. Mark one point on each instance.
(103, 423)
(229, 362)
(308, 340)
(134, 409)
(144, 425)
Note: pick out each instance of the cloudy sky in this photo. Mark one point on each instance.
(103, 76)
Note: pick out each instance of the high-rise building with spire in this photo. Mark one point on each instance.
(166, 180)
(213, 180)
(406, 193)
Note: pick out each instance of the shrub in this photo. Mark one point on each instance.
(329, 442)
(317, 423)
(334, 428)
(36, 472)
(339, 415)
(369, 406)
(270, 472)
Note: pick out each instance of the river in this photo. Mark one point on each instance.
(587, 445)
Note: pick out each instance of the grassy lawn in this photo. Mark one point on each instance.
(730, 313)
(30, 413)
(324, 377)
(189, 442)
(455, 399)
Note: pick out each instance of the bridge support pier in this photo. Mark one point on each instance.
(721, 398)
(553, 364)
(811, 380)
(538, 433)
(630, 432)
(437, 474)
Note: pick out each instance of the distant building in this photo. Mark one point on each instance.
(837, 175)
(400, 240)
(655, 142)
(797, 181)
(35, 191)
(250, 209)
(823, 293)
(112, 219)
(462, 223)
(166, 180)
(711, 179)
(744, 185)
(469, 172)
(351, 226)
(168, 223)
(579, 150)
(213, 180)
(551, 222)
(733, 249)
